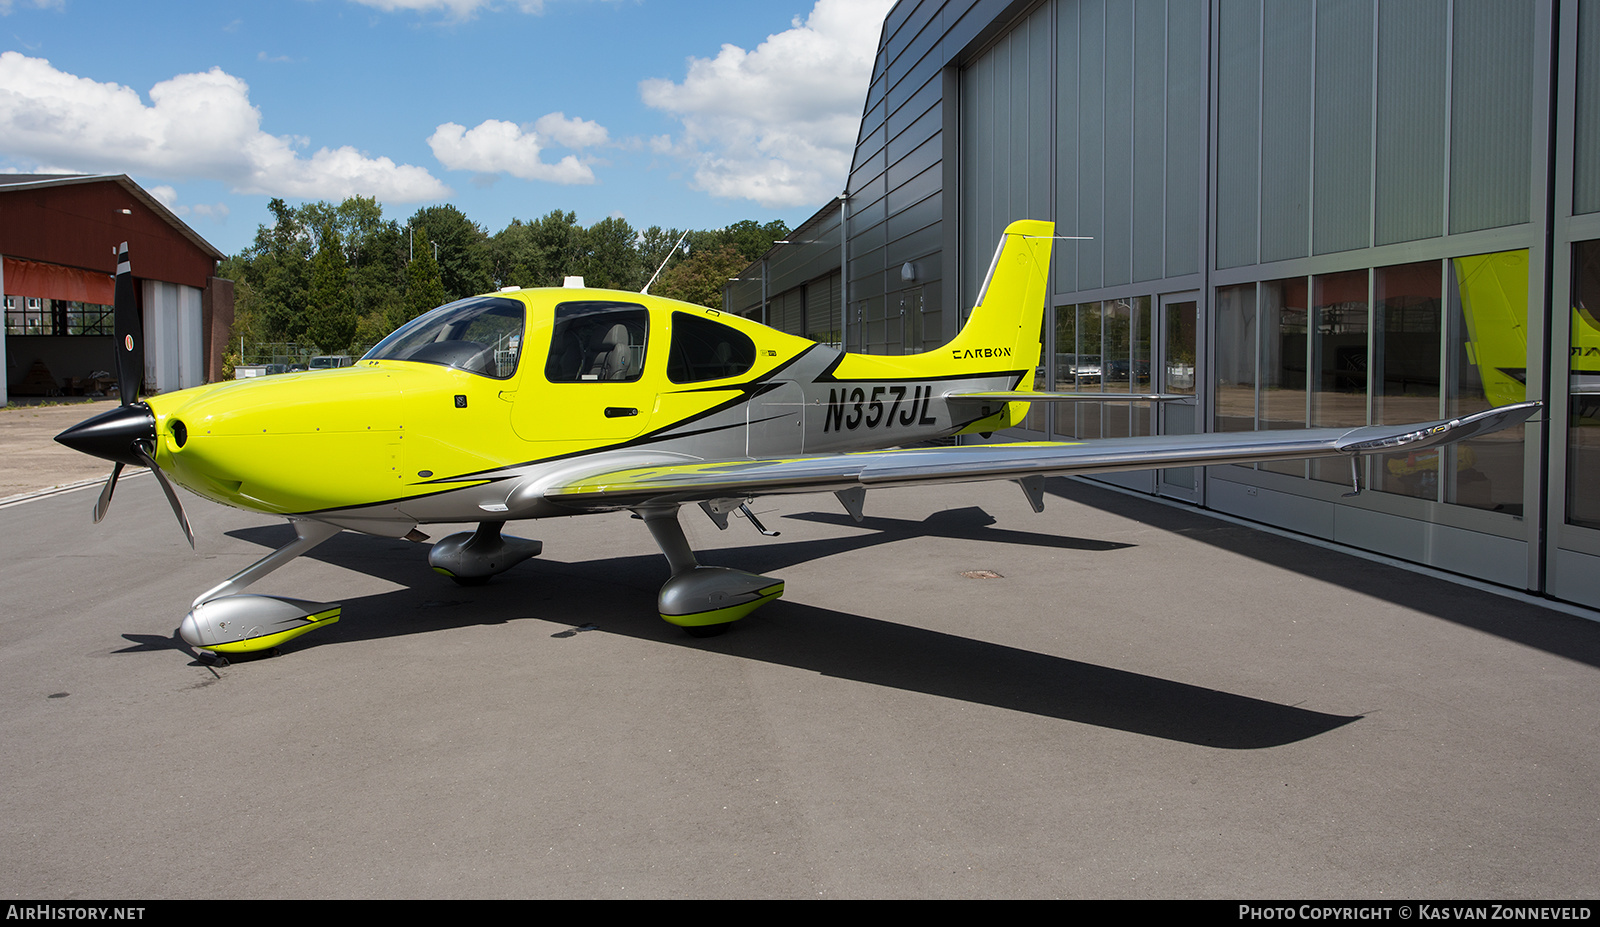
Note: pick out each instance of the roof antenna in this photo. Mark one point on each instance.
(646, 290)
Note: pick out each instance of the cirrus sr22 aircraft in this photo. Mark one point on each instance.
(533, 403)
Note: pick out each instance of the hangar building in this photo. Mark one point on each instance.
(1335, 212)
(58, 240)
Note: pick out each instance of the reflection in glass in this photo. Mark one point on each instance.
(1339, 351)
(1078, 368)
(1139, 378)
(1236, 358)
(481, 334)
(1583, 431)
(1116, 366)
(1283, 362)
(1038, 412)
(1408, 328)
(1178, 374)
(1490, 360)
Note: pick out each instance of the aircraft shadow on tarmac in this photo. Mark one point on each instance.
(617, 596)
(1566, 636)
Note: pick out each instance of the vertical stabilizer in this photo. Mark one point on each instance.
(1008, 317)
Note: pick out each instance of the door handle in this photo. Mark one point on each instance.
(621, 411)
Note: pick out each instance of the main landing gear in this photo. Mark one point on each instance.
(226, 620)
(472, 558)
(703, 600)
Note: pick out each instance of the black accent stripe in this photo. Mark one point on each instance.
(827, 377)
(476, 482)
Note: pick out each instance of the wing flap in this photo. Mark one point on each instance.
(694, 482)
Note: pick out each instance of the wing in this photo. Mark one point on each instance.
(1004, 395)
(628, 487)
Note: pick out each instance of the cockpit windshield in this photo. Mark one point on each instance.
(481, 335)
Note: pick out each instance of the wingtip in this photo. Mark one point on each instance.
(1448, 431)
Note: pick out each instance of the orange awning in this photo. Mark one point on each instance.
(52, 281)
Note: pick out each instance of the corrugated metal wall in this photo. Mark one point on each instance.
(1116, 151)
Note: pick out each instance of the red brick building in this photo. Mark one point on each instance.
(58, 239)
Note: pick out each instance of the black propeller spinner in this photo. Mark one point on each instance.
(125, 436)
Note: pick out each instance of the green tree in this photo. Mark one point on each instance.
(753, 239)
(700, 277)
(277, 268)
(611, 255)
(658, 246)
(465, 263)
(538, 253)
(424, 290)
(331, 314)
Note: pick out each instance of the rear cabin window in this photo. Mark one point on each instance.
(707, 350)
(597, 340)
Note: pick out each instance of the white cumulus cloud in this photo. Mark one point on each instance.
(196, 125)
(168, 197)
(778, 124)
(459, 9)
(571, 133)
(6, 6)
(499, 147)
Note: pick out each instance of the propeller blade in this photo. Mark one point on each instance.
(104, 502)
(166, 487)
(130, 333)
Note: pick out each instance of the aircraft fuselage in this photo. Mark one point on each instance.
(388, 444)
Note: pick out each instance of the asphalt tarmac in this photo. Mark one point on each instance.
(1146, 703)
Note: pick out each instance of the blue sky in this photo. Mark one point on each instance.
(687, 113)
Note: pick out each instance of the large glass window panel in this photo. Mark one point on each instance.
(1282, 370)
(1116, 366)
(1489, 350)
(1407, 331)
(1180, 372)
(1078, 367)
(36, 315)
(1066, 345)
(1339, 357)
(1089, 419)
(1179, 342)
(1236, 358)
(1586, 118)
(1038, 418)
(1583, 425)
(1139, 378)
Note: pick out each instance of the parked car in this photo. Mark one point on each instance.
(1080, 367)
(330, 361)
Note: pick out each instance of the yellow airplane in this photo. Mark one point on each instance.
(1494, 302)
(533, 403)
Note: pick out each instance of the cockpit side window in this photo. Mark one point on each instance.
(481, 335)
(597, 340)
(707, 350)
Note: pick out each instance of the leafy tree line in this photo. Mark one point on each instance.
(342, 275)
